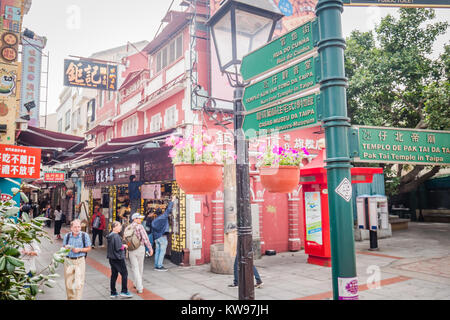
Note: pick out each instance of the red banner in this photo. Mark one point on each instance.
(54, 176)
(20, 162)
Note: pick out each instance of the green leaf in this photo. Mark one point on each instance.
(2, 263)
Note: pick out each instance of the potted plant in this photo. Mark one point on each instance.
(198, 162)
(280, 168)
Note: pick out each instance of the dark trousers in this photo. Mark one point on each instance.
(118, 266)
(58, 224)
(236, 272)
(96, 232)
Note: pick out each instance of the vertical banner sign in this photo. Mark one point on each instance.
(31, 78)
(20, 162)
(313, 217)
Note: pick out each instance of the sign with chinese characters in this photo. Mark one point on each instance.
(294, 114)
(286, 83)
(31, 77)
(278, 52)
(9, 47)
(399, 145)
(12, 16)
(88, 74)
(400, 3)
(54, 176)
(20, 162)
(104, 175)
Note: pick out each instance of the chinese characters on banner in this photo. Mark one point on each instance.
(20, 162)
(31, 77)
(88, 74)
(54, 176)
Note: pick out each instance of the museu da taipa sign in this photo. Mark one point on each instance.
(399, 145)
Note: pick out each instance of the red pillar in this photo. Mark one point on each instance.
(294, 242)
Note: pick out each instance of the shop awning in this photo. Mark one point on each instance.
(55, 146)
(116, 146)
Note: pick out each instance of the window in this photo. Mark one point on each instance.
(171, 117)
(100, 99)
(100, 139)
(155, 123)
(109, 134)
(60, 125)
(67, 123)
(90, 112)
(110, 95)
(74, 120)
(169, 53)
(130, 126)
(79, 117)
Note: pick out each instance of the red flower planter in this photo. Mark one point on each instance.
(283, 179)
(201, 178)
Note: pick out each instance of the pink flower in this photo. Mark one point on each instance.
(172, 153)
(305, 151)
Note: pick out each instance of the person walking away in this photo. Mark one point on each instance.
(29, 253)
(136, 239)
(48, 214)
(58, 222)
(160, 226)
(259, 283)
(116, 257)
(134, 193)
(150, 215)
(98, 225)
(75, 262)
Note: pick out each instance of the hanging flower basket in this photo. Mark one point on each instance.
(200, 178)
(198, 162)
(280, 168)
(283, 179)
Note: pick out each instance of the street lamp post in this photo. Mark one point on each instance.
(237, 28)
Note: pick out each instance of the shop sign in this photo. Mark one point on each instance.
(104, 175)
(20, 162)
(54, 176)
(399, 145)
(87, 74)
(9, 46)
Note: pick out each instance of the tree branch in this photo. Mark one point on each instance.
(415, 183)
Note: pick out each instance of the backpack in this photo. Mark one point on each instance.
(96, 223)
(83, 238)
(131, 238)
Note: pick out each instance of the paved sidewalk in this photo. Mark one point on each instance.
(412, 265)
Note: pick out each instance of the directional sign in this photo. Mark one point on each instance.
(399, 3)
(292, 45)
(398, 145)
(294, 114)
(292, 80)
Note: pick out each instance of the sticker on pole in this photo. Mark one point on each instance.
(348, 288)
(344, 189)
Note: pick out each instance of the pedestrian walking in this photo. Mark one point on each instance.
(48, 213)
(134, 193)
(160, 226)
(98, 225)
(75, 262)
(259, 283)
(147, 223)
(136, 238)
(29, 253)
(116, 256)
(58, 221)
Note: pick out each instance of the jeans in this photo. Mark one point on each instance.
(160, 251)
(150, 237)
(96, 232)
(118, 266)
(135, 206)
(236, 276)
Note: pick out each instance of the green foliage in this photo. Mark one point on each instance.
(395, 82)
(14, 282)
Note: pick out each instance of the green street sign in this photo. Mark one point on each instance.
(298, 113)
(292, 80)
(278, 52)
(400, 3)
(398, 145)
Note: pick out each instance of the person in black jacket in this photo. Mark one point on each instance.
(116, 256)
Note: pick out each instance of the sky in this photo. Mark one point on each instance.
(83, 27)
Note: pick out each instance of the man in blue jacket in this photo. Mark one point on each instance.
(160, 227)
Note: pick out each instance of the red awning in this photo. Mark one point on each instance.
(55, 146)
(125, 144)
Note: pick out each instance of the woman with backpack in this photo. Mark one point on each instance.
(98, 225)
